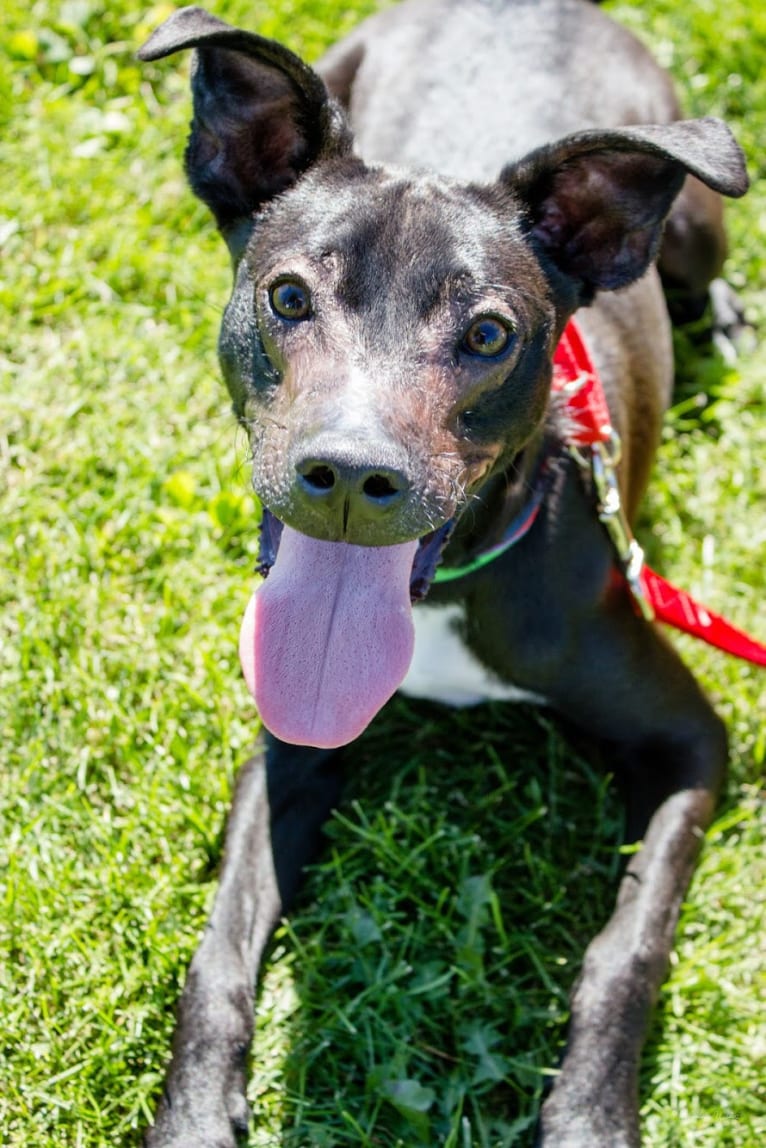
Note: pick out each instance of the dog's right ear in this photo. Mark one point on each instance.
(261, 116)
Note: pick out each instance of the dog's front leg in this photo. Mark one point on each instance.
(672, 767)
(281, 799)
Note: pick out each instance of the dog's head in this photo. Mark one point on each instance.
(389, 338)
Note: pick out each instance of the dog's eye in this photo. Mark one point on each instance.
(290, 299)
(487, 337)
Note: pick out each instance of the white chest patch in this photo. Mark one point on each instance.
(444, 670)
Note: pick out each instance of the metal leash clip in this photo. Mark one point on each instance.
(604, 457)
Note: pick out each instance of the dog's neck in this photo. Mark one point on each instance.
(502, 499)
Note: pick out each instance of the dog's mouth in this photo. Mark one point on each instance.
(328, 638)
(427, 555)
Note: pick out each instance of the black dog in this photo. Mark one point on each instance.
(388, 345)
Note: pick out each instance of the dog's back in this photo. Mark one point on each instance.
(464, 88)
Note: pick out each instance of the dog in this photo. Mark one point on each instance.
(398, 298)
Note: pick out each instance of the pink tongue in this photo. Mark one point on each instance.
(328, 637)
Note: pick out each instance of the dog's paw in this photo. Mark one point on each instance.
(583, 1133)
(569, 1120)
(193, 1121)
(717, 316)
(731, 331)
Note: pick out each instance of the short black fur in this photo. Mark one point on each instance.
(473, 191)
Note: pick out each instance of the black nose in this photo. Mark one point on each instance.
(345, 487)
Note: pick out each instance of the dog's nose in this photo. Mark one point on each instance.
(361, 493)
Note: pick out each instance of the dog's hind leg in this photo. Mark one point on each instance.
(691, 260)
(670, 756)
(282, 797)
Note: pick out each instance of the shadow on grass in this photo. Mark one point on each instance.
(473, 858)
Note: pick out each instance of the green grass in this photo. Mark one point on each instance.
(418, 995)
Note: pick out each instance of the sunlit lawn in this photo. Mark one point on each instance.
(419, 994)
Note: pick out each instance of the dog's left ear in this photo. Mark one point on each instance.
(261, 116)
(596, 201)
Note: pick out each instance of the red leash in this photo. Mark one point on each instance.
(679, 609)
(594, 444)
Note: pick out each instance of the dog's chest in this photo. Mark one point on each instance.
(444, 669)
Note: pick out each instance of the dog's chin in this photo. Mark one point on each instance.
(427, 555)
